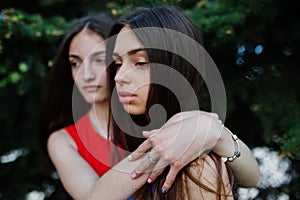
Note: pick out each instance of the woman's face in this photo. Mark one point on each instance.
(87, 59)
(133, 73)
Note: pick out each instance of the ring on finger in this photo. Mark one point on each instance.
(150, 160)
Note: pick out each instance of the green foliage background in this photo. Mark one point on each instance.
(262, 89)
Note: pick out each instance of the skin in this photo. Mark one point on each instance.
(77, 176)
(133, 76)
(134, 96)
(88, 67)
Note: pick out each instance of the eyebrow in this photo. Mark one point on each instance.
(134, 51)
(96, 53)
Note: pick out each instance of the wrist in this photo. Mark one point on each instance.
(237, 150)
(225, 145)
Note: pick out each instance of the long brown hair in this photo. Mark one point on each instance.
(168, 18)
(59, 100)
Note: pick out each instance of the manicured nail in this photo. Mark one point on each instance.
(130, 157)
(164, 190)
(149, 180)
(133, 175)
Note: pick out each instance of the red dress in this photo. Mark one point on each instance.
(95, 149)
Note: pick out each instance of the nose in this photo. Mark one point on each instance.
(88, 73)
(122, 75)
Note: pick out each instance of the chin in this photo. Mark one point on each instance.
(95, 99)
(134, 110)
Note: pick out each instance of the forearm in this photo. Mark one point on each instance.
(117, 182)
(193, 141)
(245, 167)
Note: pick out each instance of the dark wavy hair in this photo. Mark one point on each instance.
(167, 19)
(59, 100)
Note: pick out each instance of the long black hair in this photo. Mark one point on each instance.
(143, 22)
(59, 97)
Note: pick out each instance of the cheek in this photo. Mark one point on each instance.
(100, 71)
(103, 77)
(74, 73)
(145, 82)
(144, 95)
(148, 83)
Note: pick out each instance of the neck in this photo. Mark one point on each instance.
(99, 117)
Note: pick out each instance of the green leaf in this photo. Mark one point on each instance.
(23, 67)
(14, 77)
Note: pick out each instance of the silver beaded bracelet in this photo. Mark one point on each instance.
(237, 152)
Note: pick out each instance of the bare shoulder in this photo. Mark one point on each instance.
(76, 175)
(60, 141)
(203, 167)
(211, 167)
(210, 170)
(215, 168)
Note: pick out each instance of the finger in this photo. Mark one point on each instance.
(146, 165)
(210, 114)
(148, 134)
(141, 168)
(140, 151)
(170, 178)
(215, 115)
(154, 174)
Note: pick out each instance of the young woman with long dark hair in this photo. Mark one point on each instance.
(75, 116)
(144, 71)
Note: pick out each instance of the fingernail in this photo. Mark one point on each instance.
(149, 180)
(130, 157)
(164, 190)
(133, 175)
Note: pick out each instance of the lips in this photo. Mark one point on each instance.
(126, 97)
(91, 88)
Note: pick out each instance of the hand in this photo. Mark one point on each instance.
(182, 138)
